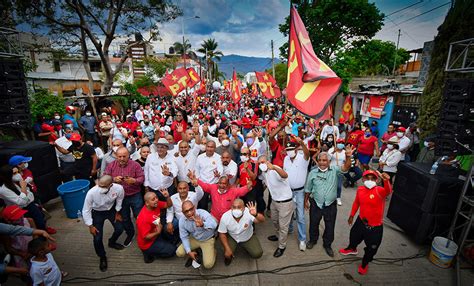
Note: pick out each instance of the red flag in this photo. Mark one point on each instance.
(347, 113)
(202, 87)
(311, 83)
(254, 90)
(236, 95)
(193, 77)
(267, 85)
(176, 81)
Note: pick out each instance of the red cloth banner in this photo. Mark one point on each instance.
(193, 77)
(347, 112)
(176, 81)
(267, 85)
(236, 93)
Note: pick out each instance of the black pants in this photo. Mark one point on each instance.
(327, 213)
(204, 202)
(392, 175)
(372, 236)
(36, 214)
(259, 191)
(98, 220)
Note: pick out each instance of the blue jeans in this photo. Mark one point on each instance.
(98, 219)
(135, 202)
(339, 186)
(298, 198)
(161, 248)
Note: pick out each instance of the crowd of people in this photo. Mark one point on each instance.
(180, 173)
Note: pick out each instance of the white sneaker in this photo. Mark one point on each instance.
(339, 202)
(302, 245)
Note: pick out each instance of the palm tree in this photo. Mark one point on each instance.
(210, 51)
(178, 47)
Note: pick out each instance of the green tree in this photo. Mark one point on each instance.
(333, 24)
(43, 102)
(281, 73)
(456, 26)
(210, 51)
(158, 66)
(178, 47)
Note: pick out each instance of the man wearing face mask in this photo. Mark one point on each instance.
(104, 202)
(390, 158)
(110, 156)
(236, 228)
(256, 144)
(229, 167)
(208, 169)
(148, 128)
(368, 227)
(427, 154)
(282, 207)
(186, 160)
(69, 115)
(296, 165)
(320, 198)
(338, 158)
(88, 122)
(329, 129)
(403, 143)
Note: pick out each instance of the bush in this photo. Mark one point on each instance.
(43, 102)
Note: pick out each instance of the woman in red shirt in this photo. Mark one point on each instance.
(370, 201)
(367, 145)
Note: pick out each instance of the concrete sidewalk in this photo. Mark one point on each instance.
(75, 254)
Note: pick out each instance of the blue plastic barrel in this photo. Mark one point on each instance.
(73, 194)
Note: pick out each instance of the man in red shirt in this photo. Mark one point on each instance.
(370, 201)
(151, 239)
(354, 137)
(247, 122)
(130, 124)
(221, 194)
(178, 122)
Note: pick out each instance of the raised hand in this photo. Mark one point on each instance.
(165, 170)
(179, 128)
(217, 174)
(170, 228)
(258, 132)
(349, 151)
(252, 208)
(198, 221)
(249, 184)
(165, 193)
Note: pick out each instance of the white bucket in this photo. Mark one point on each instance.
(442, 252)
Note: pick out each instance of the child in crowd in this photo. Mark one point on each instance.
(44, 270)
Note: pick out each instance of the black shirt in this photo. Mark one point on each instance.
(83, 159)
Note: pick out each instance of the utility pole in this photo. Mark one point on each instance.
(273, 61)
(396, 53)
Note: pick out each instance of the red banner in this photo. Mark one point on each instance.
(373, 106)
(236, 93)
(347, 112)
(193, 77)
(267, 85)
(176, 81)
(312, 85)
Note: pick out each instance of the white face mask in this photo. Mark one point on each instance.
(237, 213)
(57, 117)
(104, 190)
(323, 170)
(69, 126)
(400, 134)
(426, 144)
(389, 146)
(291, 153)
(369, 184)
(88, 113)
(225, 142)
(25, 166)
(263, 167)
(115, 148)
(244, 159)
(17, 178)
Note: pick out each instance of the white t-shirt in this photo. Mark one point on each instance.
(297, 170)
(205, 167)
(45, 272)
(230, 170)
(337, 158)
(278, 187)
(240, 231)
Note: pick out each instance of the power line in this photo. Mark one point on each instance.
(435, 8)
(404, 8)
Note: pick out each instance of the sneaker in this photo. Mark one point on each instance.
(50, 230)
(128, 241)
(363, 270)
(348, 251)
(302, 245)
(117, 246)
(339, 202)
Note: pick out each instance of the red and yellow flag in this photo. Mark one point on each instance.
(267, 85)
(311, 84)
(254, 90)
(235, 92)
(176, 81)
(347, 113)
(193, 77)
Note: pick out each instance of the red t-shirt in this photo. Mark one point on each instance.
(276, 147)
(354, 137)
(132, 126)
(246, 122)
(145, 224)
(367, 145)
(371, 203)
(176, 135)
(244, 176)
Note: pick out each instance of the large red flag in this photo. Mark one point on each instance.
(311, 83)
(176, 81)
(267, 85)
(347, 113)
(193, 77)
(254, 90)
(236, 95)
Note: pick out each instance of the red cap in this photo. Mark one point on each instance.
(370, 172)
(341, 120)
(75, 137)
(340, 140)
(68, 121)
(402, 129)
(235, 122)
(223, 118)
(70, 108)
(13, 212)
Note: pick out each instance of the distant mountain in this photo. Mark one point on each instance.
(243, 64)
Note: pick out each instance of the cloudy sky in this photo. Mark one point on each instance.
(246, 27)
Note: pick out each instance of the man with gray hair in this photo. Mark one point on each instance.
(320, 198)
(104, 202)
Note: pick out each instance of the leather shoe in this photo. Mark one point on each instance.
(188, 263)
(279, 252)
(227, 261)
(329, 251)
(117, 246)
(273, 238)
(148, 258)
(310, 244)
(103, 264)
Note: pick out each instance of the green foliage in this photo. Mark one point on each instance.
(43, 102)
(132, 89)
(209, 49)
(333, 24)
(158, 66)
(456, 26)
(178, 47)
(281, 73)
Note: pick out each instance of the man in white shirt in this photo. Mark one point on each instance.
(160, 170)
(295, 165)
(208, 169)
(282, 207)
(236, 228)
(174, 213)
(186, 160)
(330, 128)
(337, 156)
(229, 167)
(404, 142)
(104, 202)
